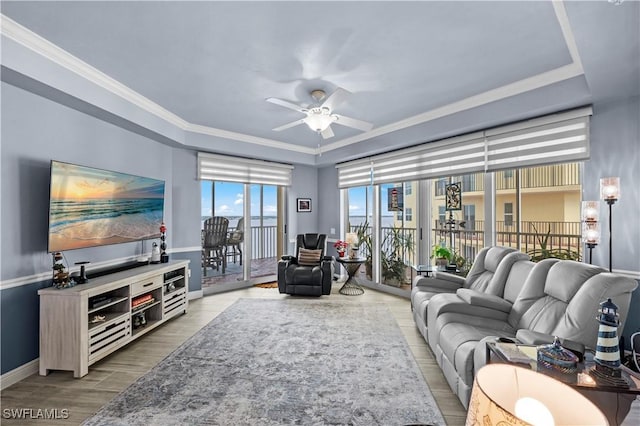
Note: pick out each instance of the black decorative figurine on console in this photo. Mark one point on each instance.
(164, 257)
(82, 279)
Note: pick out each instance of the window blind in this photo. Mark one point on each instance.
(451, 157)
(556, 139)
(234, 169)
(562, 137)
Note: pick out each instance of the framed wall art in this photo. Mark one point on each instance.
(304, 205)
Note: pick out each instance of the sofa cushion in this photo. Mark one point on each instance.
(565, 278)
(458, 343)
(308, 257)
(493, 264)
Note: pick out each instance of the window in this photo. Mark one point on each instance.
(508, 214)
(469, 216)
(407, 188)
(408, 214)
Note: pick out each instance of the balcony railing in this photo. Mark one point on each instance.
(537, 238)
(387, 238)
(263, 242)
(535, 177)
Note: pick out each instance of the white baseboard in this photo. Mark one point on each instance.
(14, 376)
(195, 295)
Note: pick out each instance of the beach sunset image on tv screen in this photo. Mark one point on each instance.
(90, 207)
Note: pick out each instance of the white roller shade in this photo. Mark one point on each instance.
(354, 173)
(455, 156)
(234, 169)
(557, 138)
(560, 138)
(459, 155)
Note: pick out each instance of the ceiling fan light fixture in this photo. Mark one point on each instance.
(319, 122)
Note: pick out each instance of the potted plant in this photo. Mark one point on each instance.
(340, 246)
(364, 245)
(442, 255)
(396, 244)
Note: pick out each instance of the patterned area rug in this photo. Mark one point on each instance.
(289, 361)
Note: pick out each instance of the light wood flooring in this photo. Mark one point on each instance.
(83, 397)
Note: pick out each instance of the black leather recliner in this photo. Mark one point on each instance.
(303, 275)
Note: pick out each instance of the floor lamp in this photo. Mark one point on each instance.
(610, 193)
(590, 225)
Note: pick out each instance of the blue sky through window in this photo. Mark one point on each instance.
(230, 199)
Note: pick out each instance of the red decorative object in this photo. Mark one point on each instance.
(164, 257)
(340, 245)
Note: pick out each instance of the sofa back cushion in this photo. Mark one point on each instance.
(498, 284)
(518, 273)
(485, 266)
(560, 284)
(566, 278)
(532, 291)
(578, 322)
(561, 298)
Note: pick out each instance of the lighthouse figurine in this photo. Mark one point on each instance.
(607, 348)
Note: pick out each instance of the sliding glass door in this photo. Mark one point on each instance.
(264, 227)
(248, 251)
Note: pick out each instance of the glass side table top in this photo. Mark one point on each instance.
(583, 379)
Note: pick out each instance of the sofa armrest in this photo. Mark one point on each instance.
(529, 337)
(437, 285)
(445, 276)
(288, 257)
(490, 301)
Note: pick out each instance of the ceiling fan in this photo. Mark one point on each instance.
(320, 116)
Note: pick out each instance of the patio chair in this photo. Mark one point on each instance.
(234, 241)
(214, 243)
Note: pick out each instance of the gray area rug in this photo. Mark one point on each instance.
(290, 361)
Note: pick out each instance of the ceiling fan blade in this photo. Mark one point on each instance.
(327, 133)
(336, 98)
(286, 104)
(365, 126)
(289, 125)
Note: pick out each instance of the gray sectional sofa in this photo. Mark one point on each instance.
(519, 299)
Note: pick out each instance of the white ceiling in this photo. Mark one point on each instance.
(419, 71)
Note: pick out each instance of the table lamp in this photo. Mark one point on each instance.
(351, 238)
(504, 394)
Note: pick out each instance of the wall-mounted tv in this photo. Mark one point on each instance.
(91, 207)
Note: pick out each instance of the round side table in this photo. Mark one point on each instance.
(351, 287)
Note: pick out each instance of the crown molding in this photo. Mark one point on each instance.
(46, 49)
(241, 137)
(43, 47)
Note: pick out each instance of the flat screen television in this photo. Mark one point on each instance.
(91, 207)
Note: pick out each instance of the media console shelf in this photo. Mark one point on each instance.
(83, 324)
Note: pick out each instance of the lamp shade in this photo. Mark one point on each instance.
(351, 238)
(319, 122)
(504, 394)
(590, 211)
(610, 189)
(591, 232)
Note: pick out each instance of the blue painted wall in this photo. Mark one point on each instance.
(36, 130)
